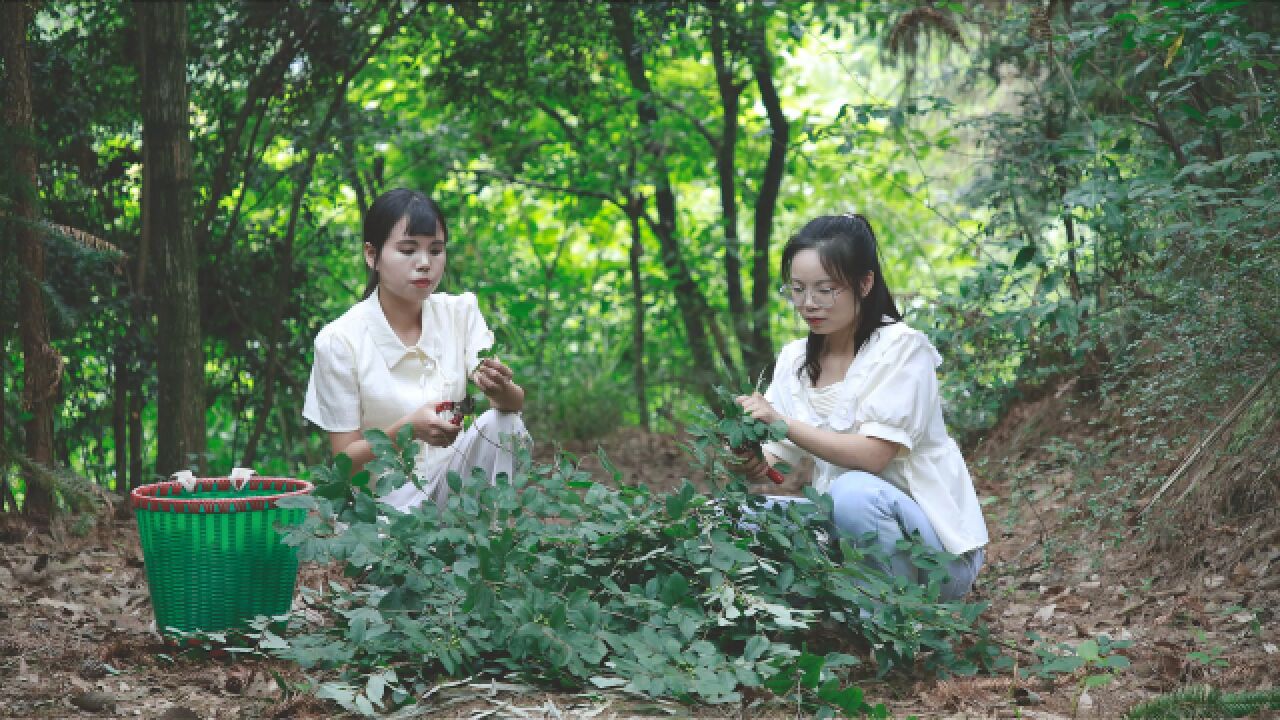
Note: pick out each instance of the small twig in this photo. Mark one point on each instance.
(1240, 407)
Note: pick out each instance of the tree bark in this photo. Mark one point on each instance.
(120, 422)
(169, 229)
(726, 169)
(637, 311)
(42, 366)
(693, 306)
(136, 459)
(774, 169)
(8, 503)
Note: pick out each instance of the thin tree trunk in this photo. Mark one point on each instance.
(286, 414)
(8, 503)
(136, 460)
(766, 203)
(726, 170)
(693, 306)
(637, 311)
(42, 371)
(166, 149)
(284, 277)
(262, 412)
(120, 422)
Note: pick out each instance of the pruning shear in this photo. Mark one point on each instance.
(752, 448)
(456, 411)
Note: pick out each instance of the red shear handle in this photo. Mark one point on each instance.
(454, 416)
(772, 472)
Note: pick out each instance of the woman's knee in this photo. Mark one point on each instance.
(862, 503)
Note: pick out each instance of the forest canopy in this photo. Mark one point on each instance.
(1063, 188)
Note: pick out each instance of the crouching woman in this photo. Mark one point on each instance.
(859, 396)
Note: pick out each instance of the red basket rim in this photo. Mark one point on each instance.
(167, 496)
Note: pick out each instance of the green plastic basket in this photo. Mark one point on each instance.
(213, 555)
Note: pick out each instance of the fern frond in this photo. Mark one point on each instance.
(1202, 701)
(83, 238)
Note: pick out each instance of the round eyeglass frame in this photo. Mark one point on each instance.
(811, 294)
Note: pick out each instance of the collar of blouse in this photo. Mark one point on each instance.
(388, 343)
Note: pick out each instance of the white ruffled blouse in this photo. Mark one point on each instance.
(890, 392)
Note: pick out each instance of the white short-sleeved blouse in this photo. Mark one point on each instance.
(890, 392)
(364, 377)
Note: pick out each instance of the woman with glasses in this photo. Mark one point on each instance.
(859, 396)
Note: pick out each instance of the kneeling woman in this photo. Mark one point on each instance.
(394, 357)
(860, 395)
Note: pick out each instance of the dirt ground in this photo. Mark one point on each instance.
(76, 638)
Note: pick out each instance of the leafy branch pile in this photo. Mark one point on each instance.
(556, 578)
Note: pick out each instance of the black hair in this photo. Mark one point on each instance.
(846, 246)
(424, 216)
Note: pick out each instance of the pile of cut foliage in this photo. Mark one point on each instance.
(556, 578)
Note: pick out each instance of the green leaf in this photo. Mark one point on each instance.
(756, 646)
(298, 502)
(1024, 256)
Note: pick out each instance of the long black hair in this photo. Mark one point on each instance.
(847, 247)
(424, 219)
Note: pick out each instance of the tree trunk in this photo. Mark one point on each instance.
(136, 460)
(726, 169)
(167, 224)
(8, 503)
(42, 366)
(637, 312)
(693, 306)
(120, 422)
(774, 169)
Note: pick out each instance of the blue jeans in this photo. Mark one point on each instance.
(865, 503)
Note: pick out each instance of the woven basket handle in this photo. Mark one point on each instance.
(186, 479)
(239, 477)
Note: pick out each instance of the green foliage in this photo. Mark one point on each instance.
(1206, 702)
(1097, 656)
(1128, 203)
(553, 577)
(715, 433)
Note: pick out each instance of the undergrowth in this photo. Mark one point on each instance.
(1206, 702)
(569, 581)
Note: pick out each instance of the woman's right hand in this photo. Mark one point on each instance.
(433, 428)
(754, 467)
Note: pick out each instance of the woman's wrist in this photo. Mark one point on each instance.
(511, 401)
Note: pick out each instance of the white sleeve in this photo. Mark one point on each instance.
(333, 393)
(900, 406)
(477, 336)
(777, 395)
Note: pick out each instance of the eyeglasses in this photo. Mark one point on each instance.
(819, 297)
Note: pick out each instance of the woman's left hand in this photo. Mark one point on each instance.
(495, 380)
(757, 407)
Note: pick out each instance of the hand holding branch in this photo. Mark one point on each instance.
(495, 380)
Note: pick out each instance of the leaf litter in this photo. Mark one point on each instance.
(67, 603)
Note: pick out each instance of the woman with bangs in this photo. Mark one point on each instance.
(859, 396)
(403, 356)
